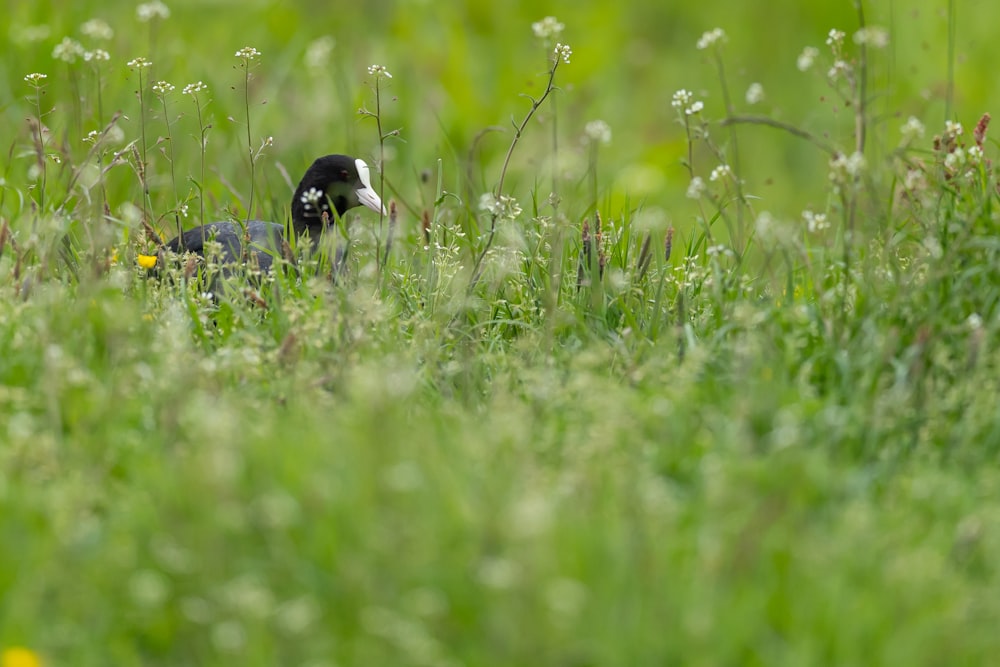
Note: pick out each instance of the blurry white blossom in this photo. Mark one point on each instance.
(711, 37)
(598, 132)
(696, 188)
(547, 27)
(874, 36)
(97, 29)
(148, 11)
(807, 58)
(912, 129)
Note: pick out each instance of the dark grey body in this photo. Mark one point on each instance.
(265, 241)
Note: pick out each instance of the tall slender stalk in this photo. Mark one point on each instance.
(161, 88)
(139, 64)
(560, 54)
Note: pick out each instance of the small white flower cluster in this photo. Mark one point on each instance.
(953, 129)
(755, 93)
(379, 71)
(149, 11)
(956, 159)
(547, 27)
(719, 250)
(912, 129)
(721, 172)
(97, 29)
(835, 38)
(318, 52)
(873, 36)
(31, 34)
(162, 87)
(563, 51)
(96, 55)
(68, 50)
(35, 78)
(815, 222)
(807, 58)
(311, 197)
(138, 63)
(684, 99)
(839, 67)
(248, 53)
(696, 188)
(193, 88)
(975, 155)
(505, 207)
(844, 168)
(711, 37)
(597, 132)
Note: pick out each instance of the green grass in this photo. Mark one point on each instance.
(552, 443)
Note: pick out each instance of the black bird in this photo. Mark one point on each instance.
(333, 180)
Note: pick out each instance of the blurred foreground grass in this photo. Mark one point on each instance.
(776, 446)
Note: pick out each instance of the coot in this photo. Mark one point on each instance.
(333, 180)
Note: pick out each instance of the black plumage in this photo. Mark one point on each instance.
(336, 181)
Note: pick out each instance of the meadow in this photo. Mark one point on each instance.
(676, 345)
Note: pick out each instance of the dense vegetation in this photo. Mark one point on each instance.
(678, 345)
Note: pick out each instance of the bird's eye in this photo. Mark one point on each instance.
(343, 174)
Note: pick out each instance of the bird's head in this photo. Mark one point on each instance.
(333, 184)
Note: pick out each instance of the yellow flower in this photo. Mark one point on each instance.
(19, 657)
(146, 262)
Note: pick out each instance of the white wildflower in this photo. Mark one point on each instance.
(598, 132)
(975, 155)
(162, 87)
(874, 36)
(148, 11)
(719, 250)
(563, 51)
(504, 207)
(755, 93)
(955, 159)
(97, 55)
(720, 172)
(68, 50)
(311, 197)
(711, 37)
(912, 129)
(839, 67)
(97, 29)
(696, 188)
(835, 38)
(379, 71)
(318, 52)
(815, 222)
(807, 58)
(248, 53)
(547, 27)
(846, 167)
